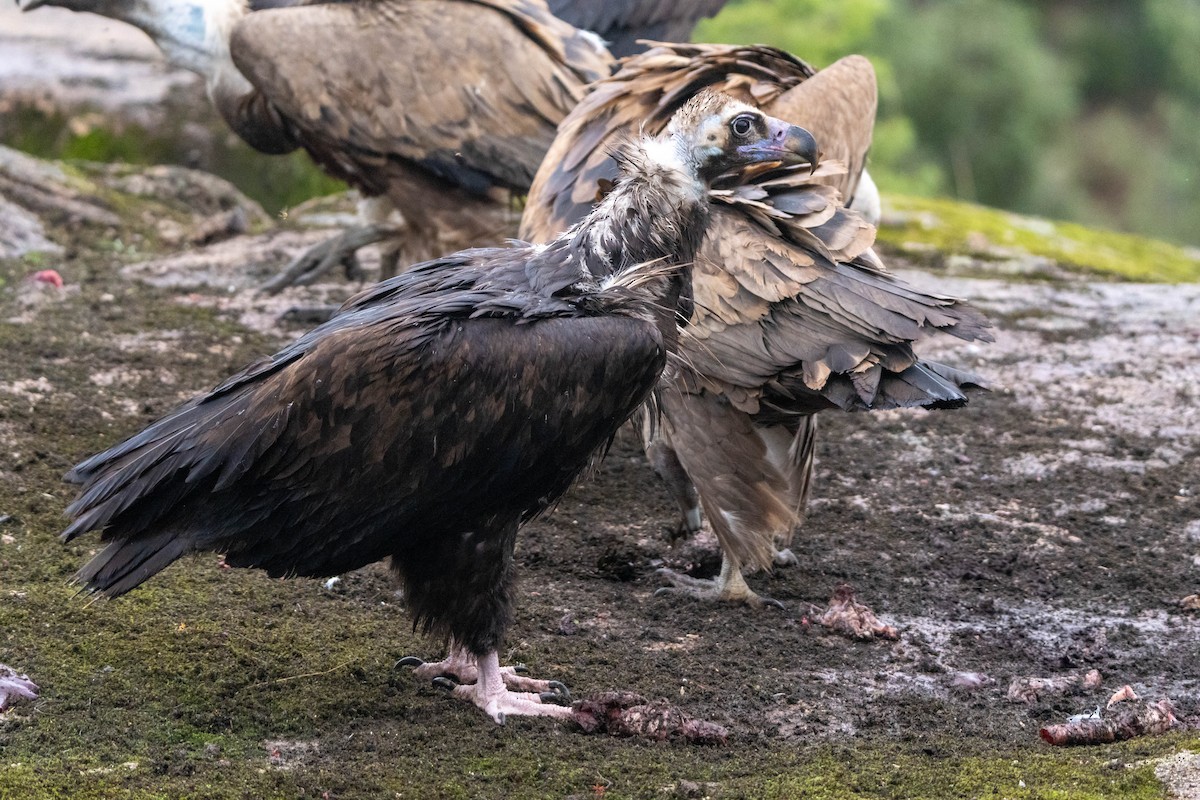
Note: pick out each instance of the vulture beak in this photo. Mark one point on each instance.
(785, 143)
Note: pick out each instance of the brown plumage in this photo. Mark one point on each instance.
(794, 312)
(440, 110)
(436, 412)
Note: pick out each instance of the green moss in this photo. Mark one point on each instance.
(933, 228)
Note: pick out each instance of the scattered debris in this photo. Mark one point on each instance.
(15, 685)
(1129, 722)
(1124, 693)
(1092, 679)
(332, 582)
(971, 680)
(49, 277)
(1190, 603)
(1030, 690)
(849, 617)
(630, 714)
(567, 625)
(1075, 719)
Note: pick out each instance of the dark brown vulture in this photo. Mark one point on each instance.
(438, 109)
(436, 412)
(794, 313)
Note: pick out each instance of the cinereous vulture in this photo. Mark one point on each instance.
(437, 411)
(438, 109)
(794, 313)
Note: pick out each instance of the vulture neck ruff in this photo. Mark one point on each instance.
(656, 212)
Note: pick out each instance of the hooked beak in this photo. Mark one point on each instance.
(786, 143)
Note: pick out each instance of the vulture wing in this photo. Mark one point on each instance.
(785, 281)
(837, 105)
(407, 416)
(622, 22)
(468, 90)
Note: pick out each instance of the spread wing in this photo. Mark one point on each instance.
(785, 282)
(622, 22)
(468, 90)
(787, 291)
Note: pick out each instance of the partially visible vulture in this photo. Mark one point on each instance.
(437, 411)
(794, 313)
(438, 109)
(621, 23)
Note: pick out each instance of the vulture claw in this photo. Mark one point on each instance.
(554, 699)
(519, 669)
(559, 688)
(445, 683)
(408, 661)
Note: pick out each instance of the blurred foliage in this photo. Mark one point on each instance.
(1082, 111)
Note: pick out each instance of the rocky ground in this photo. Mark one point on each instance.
(1050, 530)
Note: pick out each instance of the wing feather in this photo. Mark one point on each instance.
(469, 90)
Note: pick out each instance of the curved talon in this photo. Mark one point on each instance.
(663, 590)
(560, 688)
(771, 601)
(554, 699)
(445, 683)
(409, 661)
(520, 669)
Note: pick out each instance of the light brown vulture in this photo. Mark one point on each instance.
(438, 109)
(437, 411)
(794, 313)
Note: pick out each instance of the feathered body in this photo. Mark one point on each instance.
(436, 411)
(794, 312)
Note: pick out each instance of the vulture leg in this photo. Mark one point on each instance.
(340, 249)
(728, 587)
(491, 693)
(752, 478)
(463, 667)
(661, 455)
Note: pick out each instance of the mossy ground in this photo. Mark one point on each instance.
(216, 683)
(930, 229)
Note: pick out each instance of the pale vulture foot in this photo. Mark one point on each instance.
(322, 258)
(728, 587)
(485, 683)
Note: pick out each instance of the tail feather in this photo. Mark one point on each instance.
(124, 565)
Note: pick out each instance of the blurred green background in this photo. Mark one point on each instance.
(1084, 111)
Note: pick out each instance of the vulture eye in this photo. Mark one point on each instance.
(742, 125)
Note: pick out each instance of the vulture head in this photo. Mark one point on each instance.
(715, 133)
